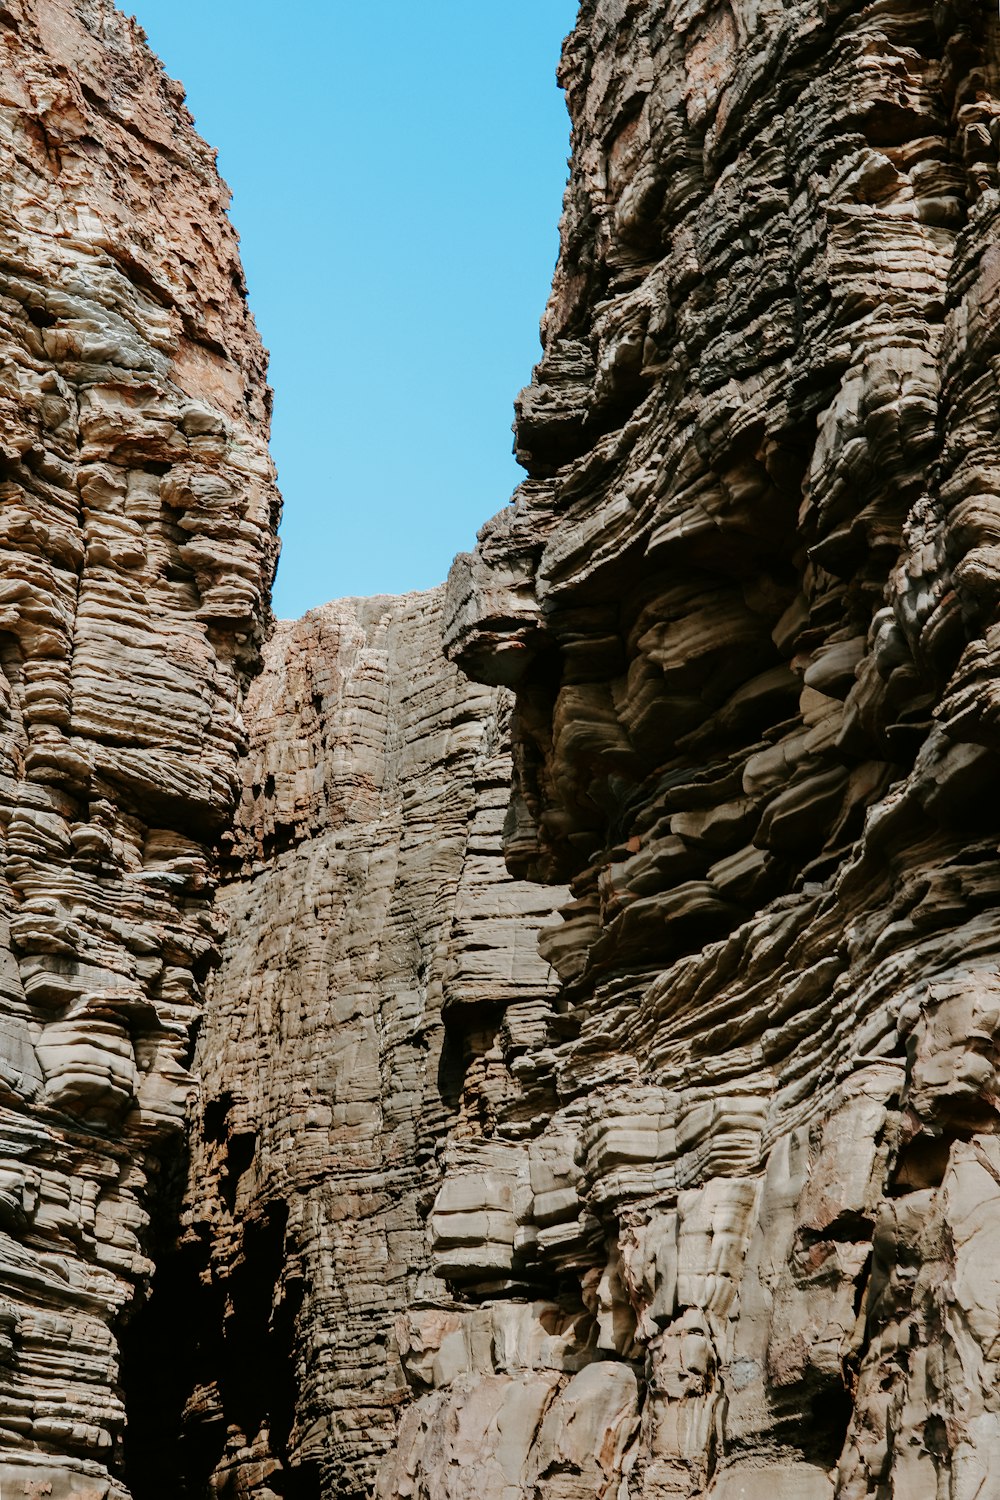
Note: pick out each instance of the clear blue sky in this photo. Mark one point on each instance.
(397, 174)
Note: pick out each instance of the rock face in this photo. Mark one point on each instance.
(722, 1223)
(695, 1189)
(137, 515)
(748, 601)
(380, 990)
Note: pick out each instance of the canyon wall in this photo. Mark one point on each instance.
(722, 1222)
(137, 545)
(747, 599)
(379, 991)
(589, 1051)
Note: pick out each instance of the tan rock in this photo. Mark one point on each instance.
(706, 1208)
(380, 979)
(137, 520)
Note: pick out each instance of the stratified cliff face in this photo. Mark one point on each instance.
(380, 989)
(748, 600)
(694, 1191)
(137, 516)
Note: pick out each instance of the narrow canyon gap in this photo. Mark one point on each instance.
(536, 1037)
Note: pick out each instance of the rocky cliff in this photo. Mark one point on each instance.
(380, 988)
(748, 601)
(694, 1188)
(137, 517)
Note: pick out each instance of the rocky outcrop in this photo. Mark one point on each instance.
(715, 1218)
(137, 516)
(692, 1191)
(747, 598)
(378, 1004)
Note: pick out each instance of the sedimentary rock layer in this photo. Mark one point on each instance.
(715, 1212)
(379, 991)
(748, 601)
(137, 519)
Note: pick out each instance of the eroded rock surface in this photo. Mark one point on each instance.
(137, 518)
(715, 1218)
(748, 601)
(380, 993)
(694, 1191)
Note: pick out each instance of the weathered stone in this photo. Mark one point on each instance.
(137, 518)
(378, 965)
(746, 599)
(694, 1191)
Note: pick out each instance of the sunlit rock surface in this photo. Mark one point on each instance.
(137, 516)
(722, 1224)
(694, 1189)
(380, 999)
(748, 601)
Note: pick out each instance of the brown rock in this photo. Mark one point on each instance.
(708, 1208)
(380, 981)
(137, 513)
(747, 600)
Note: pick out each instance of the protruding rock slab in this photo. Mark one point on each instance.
(747, 599)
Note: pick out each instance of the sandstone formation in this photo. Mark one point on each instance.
(380, 988)
(748, 601)
(137, 515)
(692, 1189)
(723, 1223)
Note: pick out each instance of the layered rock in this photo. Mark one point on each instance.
(137, 516)
(747, 599)
(717, 1221)
(379, 1002)
(714, 1212)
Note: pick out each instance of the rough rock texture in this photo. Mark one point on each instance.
(715, 1212)
(748, 598)
(137, 517)
(380, 988)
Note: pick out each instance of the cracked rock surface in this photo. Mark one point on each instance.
(137, 519)
(747, 599)
(721, 1223)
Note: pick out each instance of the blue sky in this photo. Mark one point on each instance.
(397, 174)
